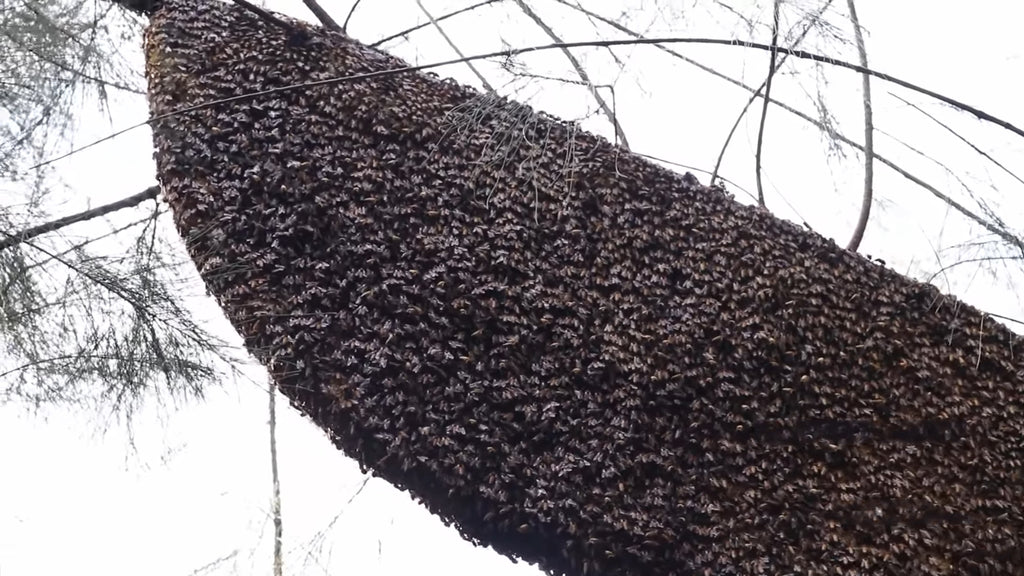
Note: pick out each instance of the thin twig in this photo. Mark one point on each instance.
(54, 225)
(869, 134)
(425, 24)
(767, 94)
(348, 18)
(276, 495)
(323, 16)
(620, 134)
(1004, 235)
(657, 42)
(760, 90)
(455, 47)
(973, 146)
(980, 260)
(67, 68)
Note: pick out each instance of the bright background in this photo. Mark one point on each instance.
(190, 484)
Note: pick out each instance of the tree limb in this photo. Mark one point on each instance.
(323, 16)
(53, 225)
(264, 15)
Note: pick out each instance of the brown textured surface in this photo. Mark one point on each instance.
(566, 351)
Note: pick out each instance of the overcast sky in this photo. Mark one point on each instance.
(192, 484)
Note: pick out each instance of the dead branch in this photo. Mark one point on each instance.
(1004, 235)
(323, 16)
(264, 15)
(275, 504)
(54, 225)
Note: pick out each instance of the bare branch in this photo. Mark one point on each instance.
(348, 18)
(869, 135)
(1004, 235)
(264, 15)
(767, 94)
(53, 225)
(981, 260)
(69, 69)
(425, 24)
(275, 504)
(760, 90)
(323, 16)
(455, 47)
(620, 134)
(974, 147)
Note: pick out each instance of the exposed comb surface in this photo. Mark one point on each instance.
(570, 353)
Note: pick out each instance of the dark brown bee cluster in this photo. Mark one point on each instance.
(571, 354)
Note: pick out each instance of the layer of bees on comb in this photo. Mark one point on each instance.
(569, 353)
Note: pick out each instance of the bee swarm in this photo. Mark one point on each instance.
(569, 353)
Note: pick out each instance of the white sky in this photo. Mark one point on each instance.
(195, 486)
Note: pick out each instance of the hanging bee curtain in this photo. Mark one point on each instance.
(570, 354)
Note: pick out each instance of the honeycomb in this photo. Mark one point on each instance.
(569, 353)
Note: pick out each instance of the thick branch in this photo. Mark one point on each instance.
(322, 16)
(264, 15)
(54, 225)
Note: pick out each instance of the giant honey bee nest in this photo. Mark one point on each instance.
(573, 355)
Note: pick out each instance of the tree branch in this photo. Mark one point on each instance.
(1003, 234)
(760, 90)
(323, 16)
(54, 225)
(869, 135)
(425, 24)
(960, 137)
(264, 15)
(275, 503)
(348, 17)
